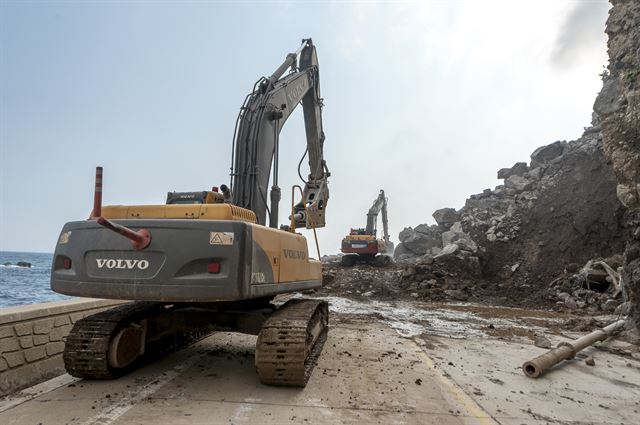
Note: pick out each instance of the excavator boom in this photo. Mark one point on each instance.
(256, 141)
(379, 205)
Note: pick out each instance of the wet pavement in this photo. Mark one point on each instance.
(386, 363)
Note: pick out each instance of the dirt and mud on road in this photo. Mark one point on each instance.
(385, 362)
(584, 292)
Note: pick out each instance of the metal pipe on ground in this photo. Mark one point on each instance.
(568, 350)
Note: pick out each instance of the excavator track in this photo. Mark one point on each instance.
(86, 352)
(290, 342)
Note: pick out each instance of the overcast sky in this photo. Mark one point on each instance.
(426, 100)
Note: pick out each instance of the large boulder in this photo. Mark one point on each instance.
(420, 240)
(445, 217)
(458, 262)
(518, 169)
(546, 153)
(608, 100)
(456, 236)
(449, 249)
(518, 183)
(534, 173)
(401, 250)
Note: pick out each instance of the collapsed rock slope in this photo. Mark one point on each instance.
(557, 210)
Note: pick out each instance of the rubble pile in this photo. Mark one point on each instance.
(443, 277)
(595, 288)
(558, 209)
(553, 233)
(360, 281)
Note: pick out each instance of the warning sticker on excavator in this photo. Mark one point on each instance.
(221, 238)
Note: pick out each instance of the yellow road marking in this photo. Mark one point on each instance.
(457, 395)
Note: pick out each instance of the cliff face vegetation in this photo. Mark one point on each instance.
(618, 108)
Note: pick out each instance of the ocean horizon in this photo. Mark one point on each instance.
(26, 285)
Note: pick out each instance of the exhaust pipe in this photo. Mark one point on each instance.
(97, 195)
(139, 239)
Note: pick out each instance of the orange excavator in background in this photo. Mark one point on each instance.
(362, 245)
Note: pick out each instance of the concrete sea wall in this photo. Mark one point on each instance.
(32, 339)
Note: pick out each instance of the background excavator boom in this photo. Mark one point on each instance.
(379, 205)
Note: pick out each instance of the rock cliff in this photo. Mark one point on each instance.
(618, 109)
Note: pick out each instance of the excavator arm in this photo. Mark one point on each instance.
(379, 205)
(256, 141)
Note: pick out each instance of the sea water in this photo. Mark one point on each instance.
(26, 285)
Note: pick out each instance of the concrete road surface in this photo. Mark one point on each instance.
(367, 374)
(456, 364)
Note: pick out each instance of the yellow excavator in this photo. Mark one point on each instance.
(362, 245)
(209, 260)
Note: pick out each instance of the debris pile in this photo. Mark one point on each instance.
(360, 281)
(443, 278)
(24, 264)
(574, 203)
(519, 244)
(559, 209)
(595, 288)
